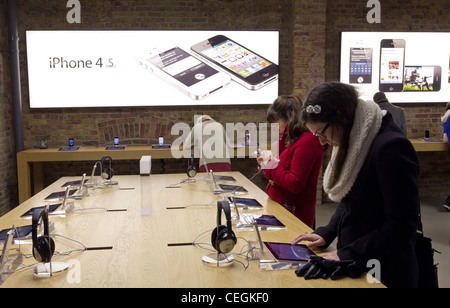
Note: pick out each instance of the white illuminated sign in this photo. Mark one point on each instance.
(414, 68)
(101, 69)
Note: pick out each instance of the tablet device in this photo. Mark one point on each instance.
(115, 147)
(72, 183)
(269, 220)
(59, 195)
(233, 188)
(69, 148)
(20, 232)
(224, 178)
(246, 203)
(160, 146)
(284, 252)
(30, 212)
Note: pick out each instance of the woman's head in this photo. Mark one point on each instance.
(330, 106)
(286, 111)
(328, 112)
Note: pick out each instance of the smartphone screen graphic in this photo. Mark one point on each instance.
(182, 66)
(392, 55)
(422, 78)
(116, 140)
(245, 66)
(236, 58)
(71, 142)
(360, 65)
(186, 73)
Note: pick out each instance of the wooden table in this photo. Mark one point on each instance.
(429, 146)
(141, 255)
(29, 162)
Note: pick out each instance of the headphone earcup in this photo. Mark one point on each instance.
(44, 249)
(107, 173)
(222, 241)
(215, 236)
(191, 170)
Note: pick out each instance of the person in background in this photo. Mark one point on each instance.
(446, 123)
(372, 175)
(210, 136)
(398, 114)
(293, 177)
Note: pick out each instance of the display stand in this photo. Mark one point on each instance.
(66, 206)
(50, 269)
(218, 259)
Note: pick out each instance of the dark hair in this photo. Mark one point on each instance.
(447, 107)
(337, 103)
(380, 97)
(287, 108)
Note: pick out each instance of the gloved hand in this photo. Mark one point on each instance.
(318, 267)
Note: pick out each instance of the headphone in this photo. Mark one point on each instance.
(106, 173)
(191, 170)
(43, 246)
(223, 238)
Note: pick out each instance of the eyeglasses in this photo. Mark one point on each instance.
(321, 134)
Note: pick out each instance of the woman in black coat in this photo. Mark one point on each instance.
(373, 174)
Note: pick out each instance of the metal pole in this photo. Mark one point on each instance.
(15, 75)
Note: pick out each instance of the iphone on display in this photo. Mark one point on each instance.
(245, 66)
(188, 74)
(116, 140)
(392, 58)
(422, 78)
(360, 65)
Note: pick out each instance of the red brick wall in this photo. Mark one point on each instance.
(309, 54)
(8, 178)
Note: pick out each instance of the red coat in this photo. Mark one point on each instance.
(293, 183)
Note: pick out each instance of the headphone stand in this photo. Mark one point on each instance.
(110, 183)
(50, 269)
(218, 259)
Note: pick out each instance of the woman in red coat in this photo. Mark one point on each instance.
(294, 175)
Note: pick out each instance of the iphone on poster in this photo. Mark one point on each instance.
(245, 66)
(183, 71)
(392, 61)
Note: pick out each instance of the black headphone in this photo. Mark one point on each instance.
(223, 238)
(43, 246)
(191, 170)
(106, 173)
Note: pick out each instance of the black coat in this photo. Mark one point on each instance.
(378, 218)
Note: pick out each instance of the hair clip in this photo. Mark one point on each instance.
(316, 109)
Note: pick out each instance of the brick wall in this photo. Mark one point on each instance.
(8, 178)
(309, 54)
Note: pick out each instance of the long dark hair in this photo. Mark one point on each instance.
(337, 102)
(288, 108)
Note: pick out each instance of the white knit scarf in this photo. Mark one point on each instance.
(366, 124)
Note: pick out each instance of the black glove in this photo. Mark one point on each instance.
(318, 267)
